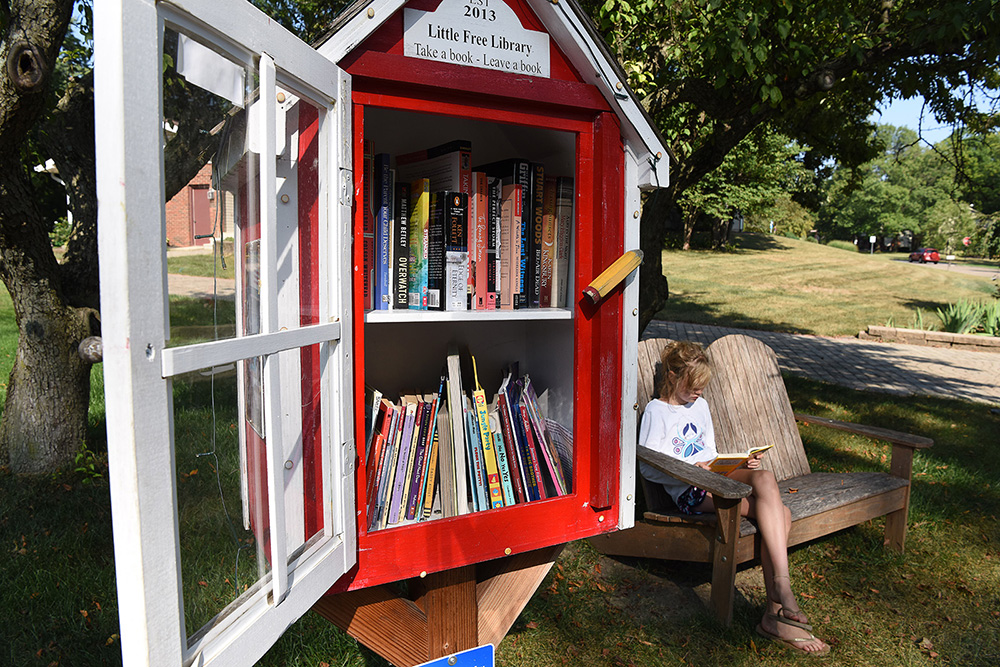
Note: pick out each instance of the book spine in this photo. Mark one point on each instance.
(531, 487)
(419, 459)
(564, 231)
(406, 442)
(368, 232)
(494, 488)
(499, 448)
(430, 467)
(542, 438)
(476, 467)
(513, 208)
(524, 266)
(548, 243)
(446, 457)
(383, 211)
(494, 194)
(389, 474)
(420, 201)
(371, 478)
(435, 251)
(401, 247)
(530, 445)
(479, 242)
(456, 256)
(458, 447)
(535, 241)
(510, 444)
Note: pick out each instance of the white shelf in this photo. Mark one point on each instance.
(415, 316)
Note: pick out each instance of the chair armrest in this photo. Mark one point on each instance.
(716, 484)
(894, 437)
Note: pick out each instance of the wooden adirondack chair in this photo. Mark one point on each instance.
(750, 408)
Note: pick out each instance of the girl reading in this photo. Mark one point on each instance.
(678, 423)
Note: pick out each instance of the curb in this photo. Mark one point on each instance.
(970, 342)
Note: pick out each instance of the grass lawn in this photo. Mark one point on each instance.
(774, 283)
(206, 265)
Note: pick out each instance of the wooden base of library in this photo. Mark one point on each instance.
(442, 613)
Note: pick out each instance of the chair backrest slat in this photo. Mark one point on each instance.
(750, 406)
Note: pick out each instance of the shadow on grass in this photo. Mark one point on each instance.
(689, 308)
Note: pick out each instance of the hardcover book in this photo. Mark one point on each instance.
(479, 239)
(548, 245)
(435, 251)
(458, 447)
(368, 223)
(516, 171)
(383, 219)
(448, 166)
(420, 211)
(510, 242)
(535, 237)
(456, 250)
(401, 247)
(564, 231)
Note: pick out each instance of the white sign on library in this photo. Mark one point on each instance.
(476, 33)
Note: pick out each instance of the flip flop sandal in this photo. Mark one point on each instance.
(794, 643)
(780, 617)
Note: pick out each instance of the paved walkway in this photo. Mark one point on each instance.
(871, 366)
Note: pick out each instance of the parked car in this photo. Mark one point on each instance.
(924, 255)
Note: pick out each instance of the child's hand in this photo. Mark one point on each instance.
(703, 464)
(753, 463)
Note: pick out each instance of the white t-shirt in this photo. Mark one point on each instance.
(684, 432)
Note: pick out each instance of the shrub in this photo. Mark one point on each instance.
(843, 245)
(961, 317)
(991, 317)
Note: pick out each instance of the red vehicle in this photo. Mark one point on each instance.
(924, 255)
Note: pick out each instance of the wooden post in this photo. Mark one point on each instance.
(724, 558)
(442, 613)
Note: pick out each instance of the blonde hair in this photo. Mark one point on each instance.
(685, 365)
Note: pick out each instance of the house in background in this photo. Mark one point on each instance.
(191, 213)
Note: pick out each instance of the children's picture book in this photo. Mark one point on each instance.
(726, 463)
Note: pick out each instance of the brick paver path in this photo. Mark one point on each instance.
(871, 366)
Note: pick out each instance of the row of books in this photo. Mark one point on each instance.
(442, 235)
(453, 452)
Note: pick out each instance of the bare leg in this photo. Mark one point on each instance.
(774, 521)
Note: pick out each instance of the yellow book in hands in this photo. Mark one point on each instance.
(726, 463)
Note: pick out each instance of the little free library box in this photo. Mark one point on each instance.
(408, 408)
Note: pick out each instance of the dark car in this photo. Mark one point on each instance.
(923, 255)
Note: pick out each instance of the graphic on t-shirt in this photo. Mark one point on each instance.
(688, 440)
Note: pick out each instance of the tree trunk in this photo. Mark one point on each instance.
(45, 412)
(653, 288)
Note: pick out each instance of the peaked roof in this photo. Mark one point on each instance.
(574, 32)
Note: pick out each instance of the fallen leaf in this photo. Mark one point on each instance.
(532, 625)
(793, 490)
(203, 583)
(807, 596)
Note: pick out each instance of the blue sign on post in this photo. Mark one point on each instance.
(481, 656)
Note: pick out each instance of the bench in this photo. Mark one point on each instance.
(750, 408)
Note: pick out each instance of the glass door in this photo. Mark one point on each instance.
(229, 412)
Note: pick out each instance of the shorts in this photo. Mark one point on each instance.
(691, 498)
